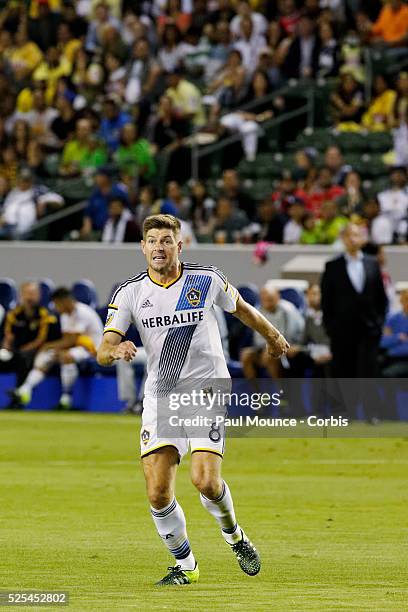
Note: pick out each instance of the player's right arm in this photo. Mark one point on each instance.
(112, 349)
(117, 323)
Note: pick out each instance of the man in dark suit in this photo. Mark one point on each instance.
(354, 304)
(302, 58)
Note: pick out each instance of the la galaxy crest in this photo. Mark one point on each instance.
(145, 435)
(193, 296)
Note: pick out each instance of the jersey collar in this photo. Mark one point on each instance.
(167, 285)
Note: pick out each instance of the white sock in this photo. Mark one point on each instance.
(69, 374)
(222, 510)
(33, 379)
(171, 525)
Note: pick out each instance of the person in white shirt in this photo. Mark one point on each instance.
(19, 211)
(394, 201)
(259, 22)
(249, 44)
(82, 332)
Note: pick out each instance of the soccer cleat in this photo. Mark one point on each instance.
(15, 402)
(179, 577)
(247, 556)
(21, 396)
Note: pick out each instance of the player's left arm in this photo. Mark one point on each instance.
(250, 316)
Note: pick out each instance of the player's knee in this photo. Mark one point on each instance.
(159, 496)
(207, 485)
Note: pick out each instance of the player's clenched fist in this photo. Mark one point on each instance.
(125, 350)
(278, 347)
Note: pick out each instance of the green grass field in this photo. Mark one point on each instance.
(328, 516)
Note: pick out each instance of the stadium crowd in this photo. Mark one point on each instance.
(111, 95)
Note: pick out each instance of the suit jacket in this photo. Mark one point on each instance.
(291, 65)
(347, 312)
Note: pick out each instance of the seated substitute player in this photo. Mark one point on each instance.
(81, 331)
(27, 327)
(171, 305)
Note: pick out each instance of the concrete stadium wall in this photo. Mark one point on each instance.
(106, 265)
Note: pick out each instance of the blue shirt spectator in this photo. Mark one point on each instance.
(395, 336)
(113, 120)
(96, 213)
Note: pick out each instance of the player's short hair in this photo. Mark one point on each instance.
(161, 222)
(61, 293)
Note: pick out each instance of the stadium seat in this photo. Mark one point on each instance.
(47, 287)
(8, 293)
(294, 296)
(250, 294)
(84, 291)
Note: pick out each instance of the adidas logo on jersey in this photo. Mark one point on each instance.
(146, 304)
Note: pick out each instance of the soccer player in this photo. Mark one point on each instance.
(81, 330)
(172, 306)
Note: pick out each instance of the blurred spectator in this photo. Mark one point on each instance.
(287, 192)
(354, 304)
(285, 317)
(302, 58)
(186, 98)
(395, 341)
(39, 118)
(145, 204)
(143, 74)
(170, 54)
(113, 120)
(25, 55)
(378, 251)
(175, 203)
(400, 110)
(229, 83)
(328, 60)
(96, 212)
(28, 326)
(53, 67)
(102, 19)
(334, 160)
(392, 24)
(83, 153)
(258, 21)
(246, 123)
(347, 103)
(353, 199)
(168, 133)
(202, 209)
(228, 222)
(379, 226)
(24, 204)
(271, 222)
(330, 224)
(379, 113)
(323, 190)
(231, 188)
(134, 153)
(293, 228)
(121, 225)
(249, 43)
(394, 201)
(313, 351)
(63, 126)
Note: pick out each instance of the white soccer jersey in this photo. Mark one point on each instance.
(83, 320)
(176, 323)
